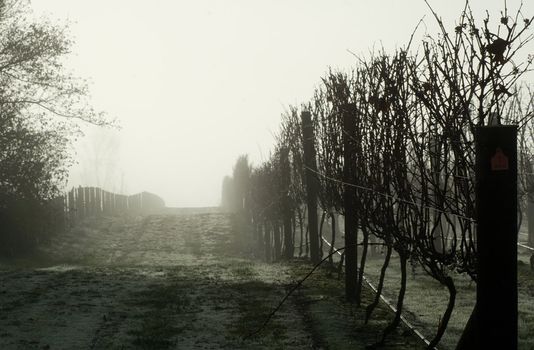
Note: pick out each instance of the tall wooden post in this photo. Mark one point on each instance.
(92, 200)
(530, 219)
(530, 204)
(87, 201)
(98, 201)
(276, 238)
(267, 238)
(289, 246)
(109, 204)
(72, 207)
(114, 201)
(124, 203)
(66, 214)
(435, 148)
(80, 207)
(349, 198)
(259, 237)
(312, 185)
(496, 206)
(104, 202)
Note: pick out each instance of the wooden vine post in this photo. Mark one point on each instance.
(289, 247)
(72, 206)
(267, 241)
(349, 197)
(530, 204)
(312, 185)
(87, 201)
(496, 205)
(80, 207)
(98, 201)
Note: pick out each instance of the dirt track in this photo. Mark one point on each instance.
(163, 281)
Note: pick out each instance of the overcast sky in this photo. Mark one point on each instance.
(195, 83)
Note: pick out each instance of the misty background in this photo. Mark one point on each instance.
(193, 84)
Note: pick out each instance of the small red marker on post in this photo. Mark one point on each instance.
(499, 161)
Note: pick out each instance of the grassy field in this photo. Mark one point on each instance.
(426, 299)
(179, 280)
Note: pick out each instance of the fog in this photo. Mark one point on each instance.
(193, 84)
(396, 211)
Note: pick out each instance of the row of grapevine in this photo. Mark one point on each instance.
(389, 146)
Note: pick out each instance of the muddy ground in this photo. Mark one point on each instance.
(179, 280)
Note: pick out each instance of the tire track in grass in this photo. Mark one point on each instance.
(338, 324)
(164, 312)
(257, 291)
